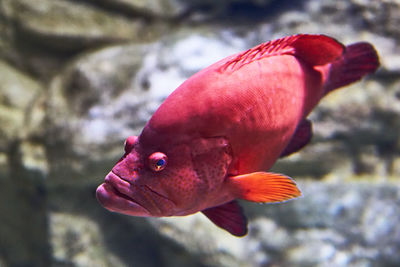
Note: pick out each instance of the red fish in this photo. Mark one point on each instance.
(214, 138)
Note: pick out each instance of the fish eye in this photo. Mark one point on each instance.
(129, 142)
(158, 161)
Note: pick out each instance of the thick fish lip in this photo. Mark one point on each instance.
(122, 196)
(114, 201)
(113, 194)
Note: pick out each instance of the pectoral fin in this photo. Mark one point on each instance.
(229, 217)
(265, 187)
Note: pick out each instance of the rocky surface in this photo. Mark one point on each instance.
(78, 77)
(65, 25)
(330, 226)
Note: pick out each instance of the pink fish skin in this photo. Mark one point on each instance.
(214, 138)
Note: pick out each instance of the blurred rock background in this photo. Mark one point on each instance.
(79, 76)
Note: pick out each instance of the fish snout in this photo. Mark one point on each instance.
(130, 177)
(114, 201)
(118, 194)
(127, 171)
(126, 196)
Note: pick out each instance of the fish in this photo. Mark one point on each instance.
(214, 138)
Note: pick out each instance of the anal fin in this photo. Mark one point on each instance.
(229, 217)
(301, 138)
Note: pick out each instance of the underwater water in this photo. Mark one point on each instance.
(78, 77)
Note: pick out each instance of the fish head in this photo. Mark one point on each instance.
(154, 180)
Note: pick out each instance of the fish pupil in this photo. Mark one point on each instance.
(160, 163)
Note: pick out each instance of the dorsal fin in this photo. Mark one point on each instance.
(313, 49)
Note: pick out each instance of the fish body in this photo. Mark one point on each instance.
(214, 138)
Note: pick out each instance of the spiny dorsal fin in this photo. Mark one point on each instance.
(313, 49)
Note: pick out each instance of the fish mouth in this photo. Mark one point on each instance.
(118, 195)
(114, 201)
